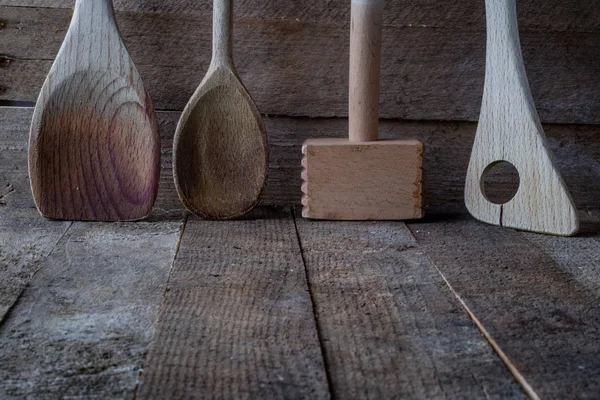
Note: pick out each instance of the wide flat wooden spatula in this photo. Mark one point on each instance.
(509, 130)
(220, 151)
(94, 148)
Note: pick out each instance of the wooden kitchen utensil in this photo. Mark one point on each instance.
(509, 130)
(94, 148)
(363, 178)
(220, 152)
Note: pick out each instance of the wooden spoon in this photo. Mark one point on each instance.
(220, 151)
(94, 148)
(509, 130)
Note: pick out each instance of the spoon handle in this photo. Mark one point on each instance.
(223, 32)
(90, 14)
(92, 37)
(365, 65)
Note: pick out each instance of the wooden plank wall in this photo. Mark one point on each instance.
(434, 54)
(293, 56)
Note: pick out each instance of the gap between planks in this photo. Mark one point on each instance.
(6, 315)
(183, 226)
(314, 309)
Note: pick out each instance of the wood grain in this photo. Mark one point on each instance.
(94, 150)
(557, 15)
(25, 238)
(236, 320)
(220, 150)
(510, 130)
(83, 325)
(428, 72)
(346, 180)
(366, 26)
(541, 307)
(445, 158)
(390, 327)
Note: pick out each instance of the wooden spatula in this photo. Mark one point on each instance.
(510, 130)
(220, 154)
(94, 148)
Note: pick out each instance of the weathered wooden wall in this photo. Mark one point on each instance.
(293, 56)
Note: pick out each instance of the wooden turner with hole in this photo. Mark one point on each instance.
(94, 148)
(220, 150)
(510, 130)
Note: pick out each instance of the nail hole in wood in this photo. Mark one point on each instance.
(500, 182)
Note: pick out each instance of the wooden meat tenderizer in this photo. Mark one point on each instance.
(362, 178)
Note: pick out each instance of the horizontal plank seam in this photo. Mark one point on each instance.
(321, 118)
(10, 58)
(314, 309)
(166, 287)
(527, 388)
(14, 304)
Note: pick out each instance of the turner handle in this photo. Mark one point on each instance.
(223, 32)
(89, 14)
(365, 66)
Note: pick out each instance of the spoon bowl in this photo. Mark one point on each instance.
(220, 153)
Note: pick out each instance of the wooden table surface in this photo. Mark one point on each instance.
(276, 306)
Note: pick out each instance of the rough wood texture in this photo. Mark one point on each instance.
(345, 180)
(94, 149)
(82, 327)
(536, 301)
(559, 15)
(236, 320)
(221, 153)
(389, 326)
(509, 130)
(433, 65)
(26, 239)
(447, 146)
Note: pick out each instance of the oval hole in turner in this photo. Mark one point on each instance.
(500, 182)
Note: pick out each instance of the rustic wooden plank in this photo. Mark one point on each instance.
(446, 157)
(26, 239)
(237, 318)
(390, 326)
(558, 15)
(82, 327)
(537, 306)
(579, 257)
(427, 73)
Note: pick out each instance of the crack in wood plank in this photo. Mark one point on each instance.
(493, 344)
(535, 295)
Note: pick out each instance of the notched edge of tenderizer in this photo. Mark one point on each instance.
(304, 187)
